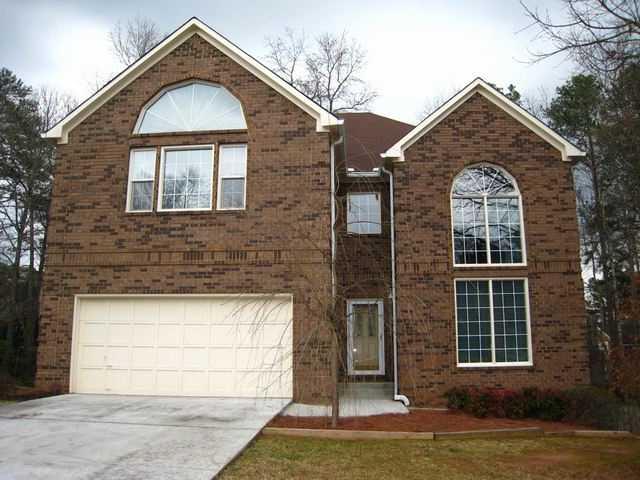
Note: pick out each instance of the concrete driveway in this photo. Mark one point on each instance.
(127, 437)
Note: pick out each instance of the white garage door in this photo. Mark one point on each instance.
(183, 345)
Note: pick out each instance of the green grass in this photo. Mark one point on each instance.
(523, 459)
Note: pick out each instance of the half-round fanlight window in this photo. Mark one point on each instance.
(192, 107)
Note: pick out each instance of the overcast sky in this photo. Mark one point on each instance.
(416, 50)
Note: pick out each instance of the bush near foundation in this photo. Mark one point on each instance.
(590, 406)
(505, 403)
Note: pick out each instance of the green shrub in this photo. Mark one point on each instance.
(526, 403)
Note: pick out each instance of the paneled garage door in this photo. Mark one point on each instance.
(183, 345)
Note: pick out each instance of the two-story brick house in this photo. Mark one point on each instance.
(206, 216)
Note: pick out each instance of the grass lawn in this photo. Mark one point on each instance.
(535, 458)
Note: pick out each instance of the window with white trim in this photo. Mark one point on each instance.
(363, 213)
(186, 176)
(142, 171)
(486, 216)
(492, 322)
(232, 177)
(190, 107)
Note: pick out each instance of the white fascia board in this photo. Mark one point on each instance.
(566, 148)
(324, 119)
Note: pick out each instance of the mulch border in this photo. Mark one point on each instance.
(336, 434)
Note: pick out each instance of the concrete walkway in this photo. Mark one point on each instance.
(127, 437)
(356, 400)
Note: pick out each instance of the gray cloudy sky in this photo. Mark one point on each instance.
(417, 50)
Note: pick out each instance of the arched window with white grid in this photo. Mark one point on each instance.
(486, 212)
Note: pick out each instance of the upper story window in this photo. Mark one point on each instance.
(363, 213)
(232, 174)
(185, 178)
(142, 170)
(194, 106)
(487, 219)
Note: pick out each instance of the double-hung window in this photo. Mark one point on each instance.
(487, 221)
(142, 169)
(492, 322)
(363, 213)
(232, 176)
(185, 178)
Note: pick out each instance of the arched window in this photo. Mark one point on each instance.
(191, 107)
(487, 221)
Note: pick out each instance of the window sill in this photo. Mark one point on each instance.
(490, 265)
(494, 366)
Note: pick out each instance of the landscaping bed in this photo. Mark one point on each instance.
(419, 421)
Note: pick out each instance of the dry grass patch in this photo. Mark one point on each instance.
(532, 459)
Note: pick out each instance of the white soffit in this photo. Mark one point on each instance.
(324, 118)
(566, 148)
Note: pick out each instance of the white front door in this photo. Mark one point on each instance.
(228, 346)
(365, 322)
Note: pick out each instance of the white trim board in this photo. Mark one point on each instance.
(194, 26)
(566, 148)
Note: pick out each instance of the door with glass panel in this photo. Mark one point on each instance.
(365, 323)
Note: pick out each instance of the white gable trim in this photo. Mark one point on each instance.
(567, 149)
(324, 119)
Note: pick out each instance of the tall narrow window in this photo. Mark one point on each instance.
(142, 169)
(487, 221)
(492, 322)
(186, 178)
(232, 176)
(363, 213)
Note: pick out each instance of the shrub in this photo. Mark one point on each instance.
(457, 398)
(526, 403)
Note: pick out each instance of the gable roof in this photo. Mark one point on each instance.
(324, 118)
(567, 149)
(367, 135)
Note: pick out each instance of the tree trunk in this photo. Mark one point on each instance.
(335, 369)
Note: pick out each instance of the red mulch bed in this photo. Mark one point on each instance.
(418, 421)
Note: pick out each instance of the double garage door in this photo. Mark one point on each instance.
(235, 346)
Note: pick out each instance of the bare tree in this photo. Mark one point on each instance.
(329, 71)
(53, 106)
(600, 35)
(130, 40)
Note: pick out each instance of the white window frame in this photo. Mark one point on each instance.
(163, 152)
(379, 225)
(493, 363)
(220, 178)
(484, 197)
(130, 180)
(157, 96)
(365, 301)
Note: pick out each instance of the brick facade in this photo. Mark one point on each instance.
(279, 244)
(478, 131)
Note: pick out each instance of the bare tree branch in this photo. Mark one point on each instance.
(132, 39)
(328, 73)
(600, 35)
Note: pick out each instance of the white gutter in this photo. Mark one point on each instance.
(396, 395)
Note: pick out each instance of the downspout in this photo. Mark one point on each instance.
(396, 394)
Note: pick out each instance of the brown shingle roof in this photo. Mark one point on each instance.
(367, 135)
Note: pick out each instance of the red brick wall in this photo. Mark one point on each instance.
(480, 132)
(363, 264)
(279, 244)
